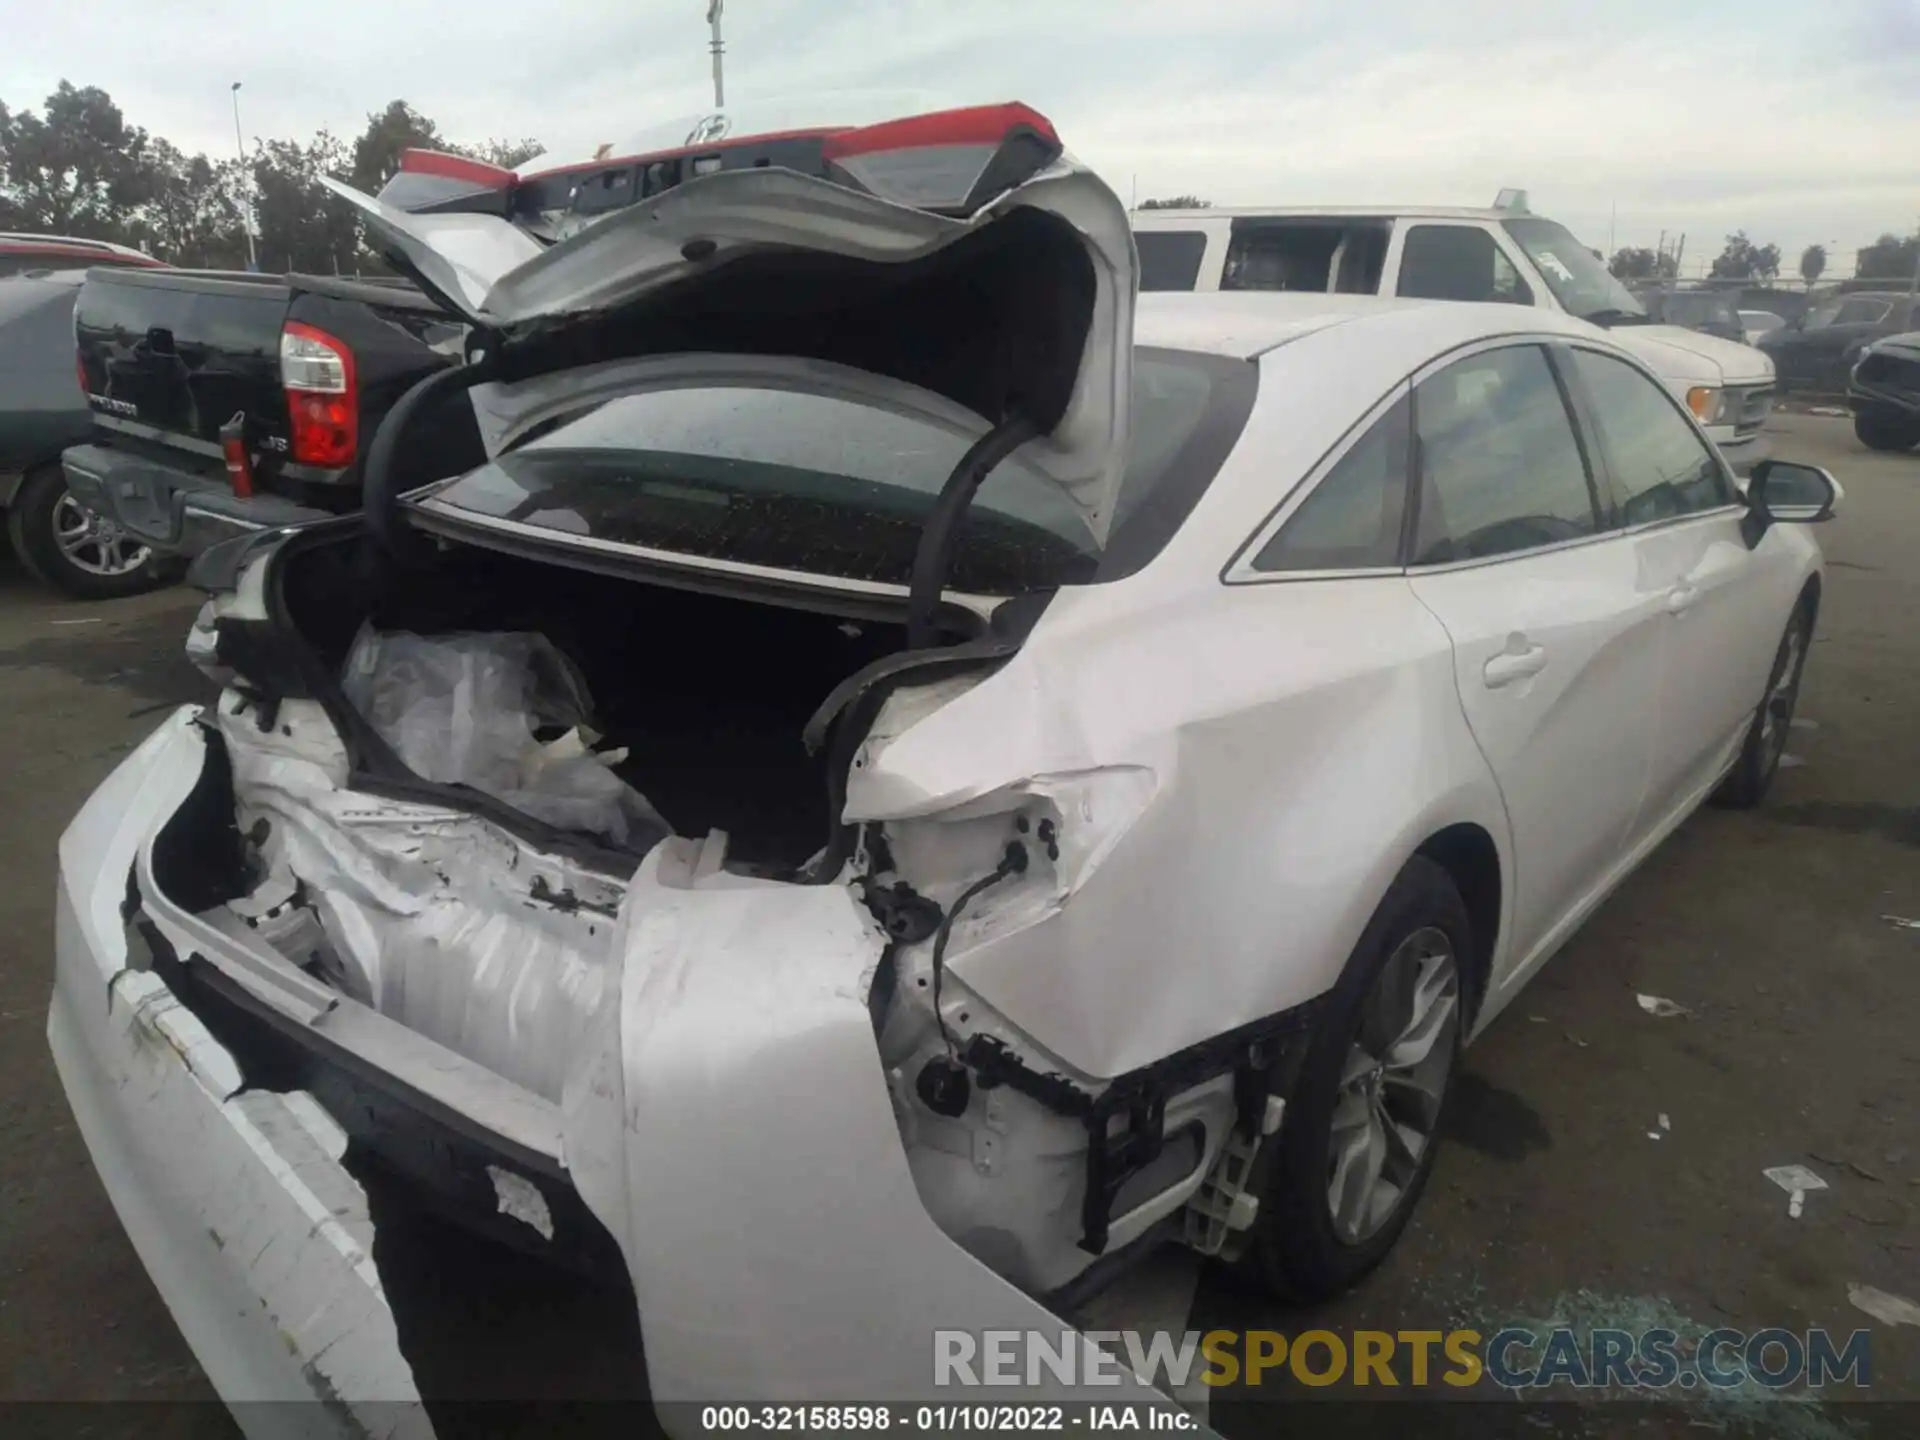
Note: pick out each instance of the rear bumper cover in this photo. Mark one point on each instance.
(731, 1127)
(176, 511)
(256, 1237)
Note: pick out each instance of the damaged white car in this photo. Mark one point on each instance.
(903, 786)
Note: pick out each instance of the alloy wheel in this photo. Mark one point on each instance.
(1387, 1111)
(1777, 714)
(91, 542)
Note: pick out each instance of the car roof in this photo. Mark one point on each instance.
(1334, 212)
(1245, 324)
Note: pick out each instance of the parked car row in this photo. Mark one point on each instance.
(1819, 351)
(901, 776)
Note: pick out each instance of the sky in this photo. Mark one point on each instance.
(1798, 123)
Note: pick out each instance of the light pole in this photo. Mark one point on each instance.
(246, 187)
(718, 47)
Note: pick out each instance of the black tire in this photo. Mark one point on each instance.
(1747, 783)
(31, 526)
(1886, 432)
(1297, 1250)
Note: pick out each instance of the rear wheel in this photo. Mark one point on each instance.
(1886, 432)
(74, 549)
(1746, 784)
(1363, 1124)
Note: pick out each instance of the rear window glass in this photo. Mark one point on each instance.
(802, 481)
(1169, 259)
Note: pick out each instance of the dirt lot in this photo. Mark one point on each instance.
(1562, 1195)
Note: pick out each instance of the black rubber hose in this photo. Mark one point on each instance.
(937, 537)
(380, 476)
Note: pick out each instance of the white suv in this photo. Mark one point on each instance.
(1506, 255)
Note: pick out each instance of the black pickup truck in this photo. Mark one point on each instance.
(227, 403)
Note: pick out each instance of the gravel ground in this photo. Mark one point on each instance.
(1800, 1046)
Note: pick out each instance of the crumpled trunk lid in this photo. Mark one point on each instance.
(692, 245)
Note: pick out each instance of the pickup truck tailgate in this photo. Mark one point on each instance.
(177, 354)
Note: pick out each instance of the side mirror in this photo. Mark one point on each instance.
(1785, 492)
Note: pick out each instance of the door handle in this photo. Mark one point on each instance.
(1681, 598)
(1518, 661)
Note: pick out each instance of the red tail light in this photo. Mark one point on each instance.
(323, 396)
(80, 369)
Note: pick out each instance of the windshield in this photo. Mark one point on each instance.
(755, 473)
(1581, 284)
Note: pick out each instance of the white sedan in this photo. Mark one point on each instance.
(876, 822)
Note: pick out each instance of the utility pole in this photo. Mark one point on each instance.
(1613, 220)
(246, 182)
(718, 47)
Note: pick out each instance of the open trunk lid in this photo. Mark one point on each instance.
(892, 196)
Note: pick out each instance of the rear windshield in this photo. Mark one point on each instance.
(815, 483)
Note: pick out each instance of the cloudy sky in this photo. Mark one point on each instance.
(1793, 121)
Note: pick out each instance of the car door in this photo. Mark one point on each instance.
(1556, 633)
(1681, 515)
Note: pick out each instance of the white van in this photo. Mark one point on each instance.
(1504, 254)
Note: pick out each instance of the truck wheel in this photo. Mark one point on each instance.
(1363, 1123)
(1880, 432)
(69, 547)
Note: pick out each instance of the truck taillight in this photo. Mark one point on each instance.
(323, 396)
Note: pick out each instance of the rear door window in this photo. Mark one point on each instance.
(1351, 520)
(1170, 259)
(1500, 468)
(1282, 255)
(1458, 262)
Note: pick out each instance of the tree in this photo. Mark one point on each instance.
(1888, 258)
(77, 169)
(1177, 202)
(376, 154)
(1813, 263)
(194, 217)
(302, 225)
(1743, 260)
(1637, 262)
(504, 153)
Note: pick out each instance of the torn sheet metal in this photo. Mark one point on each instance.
(435, 918)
